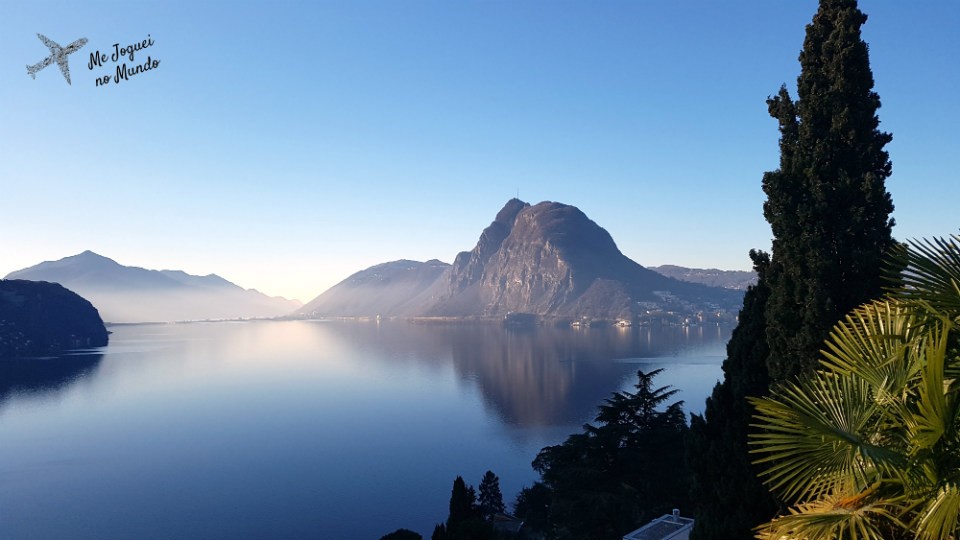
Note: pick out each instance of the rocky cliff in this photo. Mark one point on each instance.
(553, 260)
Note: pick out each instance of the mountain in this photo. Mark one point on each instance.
(389, 289)
(548, 259)
(38, 318)
(132, 294)
(728, 279)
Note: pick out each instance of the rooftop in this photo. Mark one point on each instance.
(667, 527)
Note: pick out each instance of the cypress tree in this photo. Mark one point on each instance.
(829, 210)
(729, 498)
(827, 205)
(462, 504)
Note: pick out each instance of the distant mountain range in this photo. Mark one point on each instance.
(728, 279)
(131, 294)
(548, 259)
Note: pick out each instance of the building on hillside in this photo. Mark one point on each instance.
(667, 527)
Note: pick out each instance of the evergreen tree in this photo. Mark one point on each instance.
(730, 500)
(827, 205)
(402, 534)
(829, 213)
(462, 504)
(464, 521)
(620, 473)
(491, 500)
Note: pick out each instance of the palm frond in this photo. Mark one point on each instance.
(931, 272)
(870, 445)
(873, 342)
(818, 433)
(931, 420)
(938, 520)
(829, 518)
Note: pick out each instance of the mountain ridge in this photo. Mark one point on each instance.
(134, 294)
(714, 277)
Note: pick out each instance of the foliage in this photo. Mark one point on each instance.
(462, 503)
(402, 534)
(464, 521)
(627, 469)
(723, 478)
(40, 318)
(827, 205)
(491, 500)
(828, 211)
(869, 446)
(533, 506)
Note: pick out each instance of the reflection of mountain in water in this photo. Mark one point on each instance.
(537, 377)
(39, 376)
(550, 376)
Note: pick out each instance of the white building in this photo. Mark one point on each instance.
(668, 527)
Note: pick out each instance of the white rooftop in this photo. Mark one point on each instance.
(667, 527)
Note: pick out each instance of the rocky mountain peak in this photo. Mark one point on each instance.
(548, 259)
(468, 265)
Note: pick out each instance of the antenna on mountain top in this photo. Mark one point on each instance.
(518, 193)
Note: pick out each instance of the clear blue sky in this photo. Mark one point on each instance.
(286, 145)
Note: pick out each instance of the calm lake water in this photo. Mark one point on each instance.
(305, 429)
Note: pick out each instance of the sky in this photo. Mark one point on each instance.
(285, 145)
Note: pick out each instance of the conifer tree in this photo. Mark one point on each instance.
(462, 503)
(729, 497)
(620, 473)
(827, 204)
(829, 210)
(491, 499)
(464, 521)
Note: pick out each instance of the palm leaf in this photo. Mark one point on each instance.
(870, 446)
(817, 434)
(939, 518)
(931, 420)
(930, 272)
(873, 342)
(830, 518)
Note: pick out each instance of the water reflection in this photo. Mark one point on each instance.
(543, 376)
(44, 376)
(537, 377)
(549, 376)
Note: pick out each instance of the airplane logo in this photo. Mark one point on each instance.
(58, 54)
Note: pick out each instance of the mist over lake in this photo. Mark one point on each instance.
(305, 429)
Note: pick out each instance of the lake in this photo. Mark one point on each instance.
(305, 429)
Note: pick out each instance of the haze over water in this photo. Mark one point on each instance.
(305, 429)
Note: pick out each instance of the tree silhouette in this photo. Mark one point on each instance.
(625, 470)
(491, 500)
(829, 212)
